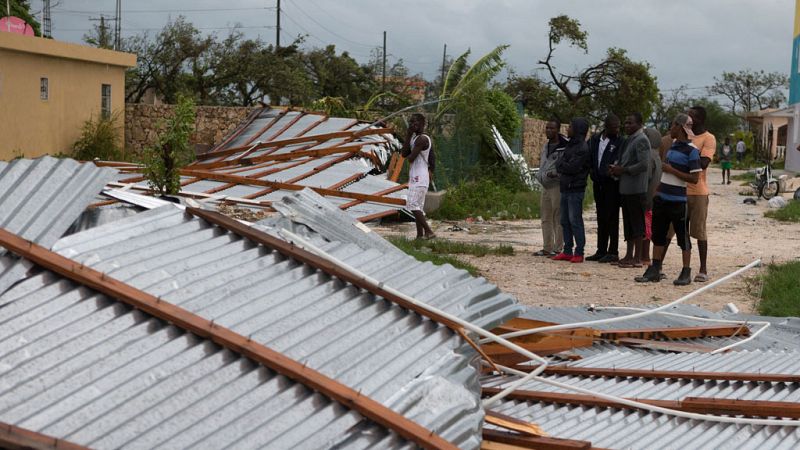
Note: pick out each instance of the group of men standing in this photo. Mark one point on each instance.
(658, 183)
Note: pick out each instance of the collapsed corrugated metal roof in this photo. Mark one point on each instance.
(277, 151)
(411, 364)
(40, 199)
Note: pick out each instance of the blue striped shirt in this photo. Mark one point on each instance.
(686, 158)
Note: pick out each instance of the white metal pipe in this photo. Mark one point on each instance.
(764, 325)
(648, 312)
(658, 409)
(303, 243)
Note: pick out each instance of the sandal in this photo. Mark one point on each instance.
(700, 278)
(541, 253)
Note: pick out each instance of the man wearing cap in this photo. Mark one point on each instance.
(681, 166)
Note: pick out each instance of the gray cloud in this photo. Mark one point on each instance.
(686, 42)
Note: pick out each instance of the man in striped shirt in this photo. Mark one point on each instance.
(681, 166)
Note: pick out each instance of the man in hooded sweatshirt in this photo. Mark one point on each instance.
(573, 169)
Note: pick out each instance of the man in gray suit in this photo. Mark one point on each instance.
(632, 171)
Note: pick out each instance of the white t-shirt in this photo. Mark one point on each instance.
(418, 172)
(740, 147)
(601, 149)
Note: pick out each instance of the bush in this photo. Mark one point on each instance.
(172, 151)
(780, 294)
(499, 192)
(789, 213)
(99, 139)
(425, 254)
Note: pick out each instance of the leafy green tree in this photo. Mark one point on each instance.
(338, 75)
(504, 114)
(748, 90)
(172, 150)
(615, 84)
(162, 62)
(719, 120)
(22, 9)
(539, 98)
(100, 36)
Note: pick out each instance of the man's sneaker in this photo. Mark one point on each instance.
(685, 277)
(609, 258)
(562, 257)
(576, 259)
(652, 273)
(596, 257)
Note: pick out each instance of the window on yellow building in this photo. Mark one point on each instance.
(44, 89)
(105, 101)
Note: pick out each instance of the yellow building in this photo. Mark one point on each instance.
(48, 89)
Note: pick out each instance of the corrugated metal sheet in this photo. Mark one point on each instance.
(414, 366)
(625, 428)
(40, 199)
(783, 334)
(629, 429)
(85, 368)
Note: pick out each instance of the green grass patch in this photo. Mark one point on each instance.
(789, 213)
(444, 246)
(492, 192)
(424, 254)
(780, 295)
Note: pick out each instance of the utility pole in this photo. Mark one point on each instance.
(383, 80)
(118, 27)
(278, 25)
(48, 29)
(444, 61)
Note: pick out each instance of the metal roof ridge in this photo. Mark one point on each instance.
(225, 337)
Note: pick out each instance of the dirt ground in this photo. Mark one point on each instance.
(738, 234)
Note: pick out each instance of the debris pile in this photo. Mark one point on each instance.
(171, 325)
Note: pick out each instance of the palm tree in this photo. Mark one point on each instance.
(461, 76)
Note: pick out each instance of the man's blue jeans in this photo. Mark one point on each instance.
(572, 222)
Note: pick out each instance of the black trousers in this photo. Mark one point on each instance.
(607, 201)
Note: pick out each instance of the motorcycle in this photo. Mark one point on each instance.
(765, 185)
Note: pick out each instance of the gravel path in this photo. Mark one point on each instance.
(738, 234)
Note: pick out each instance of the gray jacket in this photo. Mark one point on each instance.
(635, 160)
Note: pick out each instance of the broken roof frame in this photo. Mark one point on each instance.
(279, 150)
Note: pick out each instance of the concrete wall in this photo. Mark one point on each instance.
(213, 123)
(33, 127)
(533, 139)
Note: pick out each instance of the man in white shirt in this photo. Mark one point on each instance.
(417, 148)
(740, 149)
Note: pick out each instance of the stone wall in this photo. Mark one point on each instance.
(533, 139)
(213, 123)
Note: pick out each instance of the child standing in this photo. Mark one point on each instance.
(725, 155)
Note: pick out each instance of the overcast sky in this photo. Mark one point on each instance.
(687, 42)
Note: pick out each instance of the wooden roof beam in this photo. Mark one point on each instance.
(225, 337)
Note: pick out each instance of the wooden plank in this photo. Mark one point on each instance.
(512, 423)
(349, 138)
(225, 337)
(17, 438)
(383, 192)
(678, 332)
(290, 187)
(701, 405)
(541, 344)
(734, 407)
(378, 215)
(664, 374)
(534, 442)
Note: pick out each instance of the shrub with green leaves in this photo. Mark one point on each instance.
(172, 150)
(789, 213)
(99, 139)
(497, 192)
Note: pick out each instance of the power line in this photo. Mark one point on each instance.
(199, 28)
(329, 30)
(149, 11)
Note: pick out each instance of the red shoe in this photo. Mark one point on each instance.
(562, 257)
(576, 259)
